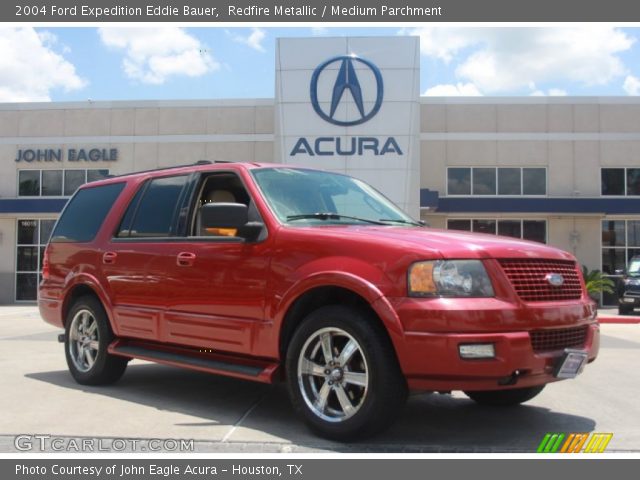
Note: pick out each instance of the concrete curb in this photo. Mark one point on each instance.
(616, 319)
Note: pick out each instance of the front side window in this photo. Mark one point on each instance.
(153, 209)
(317, 197)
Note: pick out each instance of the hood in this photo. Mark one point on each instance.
(444, 243)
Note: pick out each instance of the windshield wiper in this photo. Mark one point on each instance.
(399, 220)
(331, 216)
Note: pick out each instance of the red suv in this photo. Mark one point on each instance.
(265, 272)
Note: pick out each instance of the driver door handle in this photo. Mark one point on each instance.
(109, 258)
(186, 259)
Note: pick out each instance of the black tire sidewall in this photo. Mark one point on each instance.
(95, 374)
(380, 405)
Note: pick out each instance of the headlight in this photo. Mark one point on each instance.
(449, 278)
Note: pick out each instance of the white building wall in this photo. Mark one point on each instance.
(398, 60)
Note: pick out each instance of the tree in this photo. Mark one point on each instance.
(596, 282)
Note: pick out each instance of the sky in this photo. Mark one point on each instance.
(171, 62)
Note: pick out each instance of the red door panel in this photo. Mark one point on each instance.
(216, 301)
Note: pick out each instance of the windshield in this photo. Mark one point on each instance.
(317, 197)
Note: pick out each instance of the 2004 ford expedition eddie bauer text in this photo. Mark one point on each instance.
(265, 272)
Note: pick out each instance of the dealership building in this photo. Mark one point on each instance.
(560, 170)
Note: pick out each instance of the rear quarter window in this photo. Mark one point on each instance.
(85, 212)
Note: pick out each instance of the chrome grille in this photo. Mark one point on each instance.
(528, 277)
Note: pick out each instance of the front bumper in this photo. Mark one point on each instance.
(430, 358)
(630, 299)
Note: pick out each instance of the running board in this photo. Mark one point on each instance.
(220, 364)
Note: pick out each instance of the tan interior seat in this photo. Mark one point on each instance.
(220, 196)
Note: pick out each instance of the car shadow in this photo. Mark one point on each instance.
(429, 422)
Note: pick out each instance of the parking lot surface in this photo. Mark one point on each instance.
(223, 415)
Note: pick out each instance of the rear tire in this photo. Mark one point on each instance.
(504, 398)
(343, 375)
(87, 336)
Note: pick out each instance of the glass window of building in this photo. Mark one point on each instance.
(620, 181)
(620, 243)
(612, 181)
(51, 183)
(33, 235)
(55, 183)
(459, 181)
(29, 183)
(464, 225)
(484, 226)
(633, 181)
(507, 181)
(94, 175)
(534, 181)
(510, 228)
(72, 180)
(484, 181)
(534, 230)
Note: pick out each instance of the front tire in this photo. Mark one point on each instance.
(87, 336)
(624, 309)
(504, 398)
(343, 375)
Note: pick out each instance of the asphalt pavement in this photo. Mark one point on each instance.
(42, 406)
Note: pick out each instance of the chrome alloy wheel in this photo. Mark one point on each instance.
(332, 374)
(83, 340)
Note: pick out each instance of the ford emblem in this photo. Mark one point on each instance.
(554, 279)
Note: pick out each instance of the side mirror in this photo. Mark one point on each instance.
(620, 271)
(223, 215)
(230, 216)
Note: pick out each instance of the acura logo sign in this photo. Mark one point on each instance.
(346, 83)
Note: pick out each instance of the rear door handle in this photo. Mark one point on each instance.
(186, 259)
(109, 257)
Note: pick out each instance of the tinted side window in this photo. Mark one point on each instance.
(156, 211)
(85, 212)
(127, 219)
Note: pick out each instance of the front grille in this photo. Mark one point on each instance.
(558, 339)
(528, 278)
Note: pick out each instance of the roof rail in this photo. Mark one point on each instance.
(199, 162)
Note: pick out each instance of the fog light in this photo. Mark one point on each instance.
(477, 350)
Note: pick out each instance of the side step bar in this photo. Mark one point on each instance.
(220, 364)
